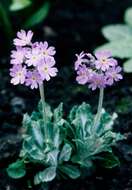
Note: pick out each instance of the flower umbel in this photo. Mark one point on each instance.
(32, 63)
(99, 71)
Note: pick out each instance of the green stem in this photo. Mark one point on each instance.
(42, 95)
(100, 103)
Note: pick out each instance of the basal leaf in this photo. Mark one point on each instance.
(72, 114)
(45, 176)
(70, 170)
(52, 157)
(65, 153)
(49, 113)
(37, 133)
(17, 169)
(58, 113)
(109, 160)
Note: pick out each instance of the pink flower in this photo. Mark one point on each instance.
(33, 63)
(23, 38)
(104, 60)
(45, 50)
(97, 72)
(18, 55)
(33, 57)
(46, 69)
(79, 60)
(83, 75)
(97, 81)
(18, 74)
(33, 79)
(113, 74)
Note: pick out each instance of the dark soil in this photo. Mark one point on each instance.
(72, 26)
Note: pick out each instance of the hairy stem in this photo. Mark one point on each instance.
(100, 103)
(42, 95)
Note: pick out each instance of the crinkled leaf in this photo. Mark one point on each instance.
(37, 133)
(116, 32)
(109, 160)
(31, 150)
(106, 122)
(127, 66)
(17, 169)
(52, 157)
(128, 16)
(45, 176)
(70, 170)
(17, 5)
(26, 120)
(49, 113)
(72, 114)
(58, 113)
(121, 49)
(38, 16)
(65, 153)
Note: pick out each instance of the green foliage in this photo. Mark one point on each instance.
(128, 16)
(90, 141)
(70, 147)
(109, 160)
(38, 16)
(33, 15)
(48, 150)
(120, 40)
(17, 169)
(17, 5)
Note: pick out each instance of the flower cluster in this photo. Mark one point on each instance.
(97, 71)
(32, 63)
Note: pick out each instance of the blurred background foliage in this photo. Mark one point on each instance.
(22, 14)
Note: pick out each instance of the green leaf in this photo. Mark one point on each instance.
(49, 113)
(121, 49)
(45, 176)
(128, 16)
(26, 120)
(117, 32)
(52, 157)
(58, 113)
(109, 160)
(17, 5)
(65, 153)
(38, 16)
(37, 133)
(70, 170)
(72, 114)
(17, 169)
(127, 66)
(32, 151)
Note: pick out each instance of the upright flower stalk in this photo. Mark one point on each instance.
(99, 110)
(32, 64)
(42, 96)
(97, 71)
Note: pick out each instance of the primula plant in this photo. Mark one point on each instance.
(55, 146)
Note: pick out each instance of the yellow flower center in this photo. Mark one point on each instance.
(104, 60)
(19, 74)
(33, 78)
(45, 52)
(45, 69)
